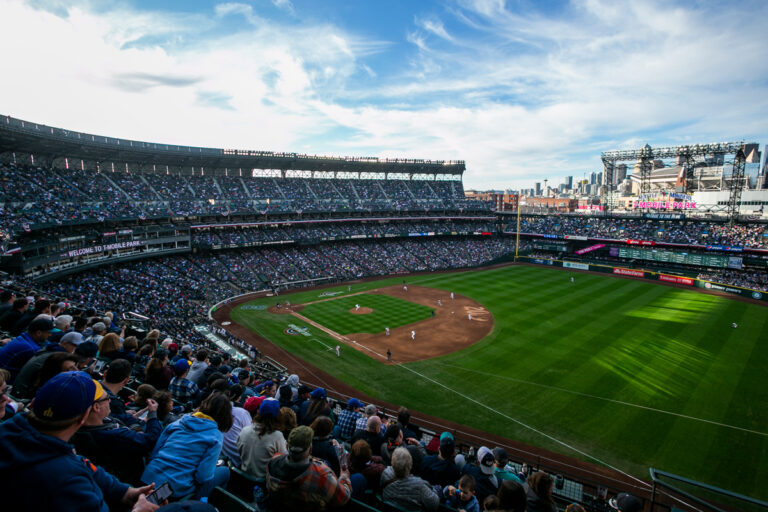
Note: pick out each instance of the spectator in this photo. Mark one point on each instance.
(15, 354)
(42, 307)
(501, 470)
(7, 299)
(324, 446)
(61, 326)
(511, 496)
(362, 421)
(363, 462)
(7, 408)
(372, 435)
(463, 495)
(182, 389)
(485, 481)
(440, 469)
(539, 493)
(262, 440)
(185, 455)
(130, 347)
(118, 449)
(37, 444)
(198, 368)
(345, 427)
(317, 406)
(401, 488)
(25, 384)
(404, 420)
(98, 330)
(240, 419)
(302, 401)
(625, 502)
(287, 420)
(394, 439)
(157, 372)
(109, 346)
(115, 378)
(296, 481)
(10, 317)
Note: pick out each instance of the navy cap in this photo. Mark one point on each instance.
(65, 396)
(180, 366)
(354, 402)
(40, 324)
(318, 393)
(269, 407)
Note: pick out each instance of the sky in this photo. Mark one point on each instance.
(519, 90)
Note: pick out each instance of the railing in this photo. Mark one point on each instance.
(707, 498)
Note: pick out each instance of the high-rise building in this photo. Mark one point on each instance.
(568, 182)
(592, 178)
(538, 188)
(619, 173)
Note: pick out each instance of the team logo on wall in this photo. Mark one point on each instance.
(757, 295)
(707, 285)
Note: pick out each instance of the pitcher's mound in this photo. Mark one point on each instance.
(361, 311)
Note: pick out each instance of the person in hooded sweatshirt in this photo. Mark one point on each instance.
(38, 468)
(297, 481)
(185, 455)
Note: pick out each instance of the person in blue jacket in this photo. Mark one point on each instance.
(185, 456)
(19, 350)
(38, 467)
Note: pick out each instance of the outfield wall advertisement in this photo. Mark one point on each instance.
(653, 276)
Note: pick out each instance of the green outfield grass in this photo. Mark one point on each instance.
(631, 373)
(387, 312)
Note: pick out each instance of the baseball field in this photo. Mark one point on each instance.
(615, 371)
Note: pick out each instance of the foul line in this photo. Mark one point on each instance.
(510, 418)
(587, 395)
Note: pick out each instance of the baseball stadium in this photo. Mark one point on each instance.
(618, 357)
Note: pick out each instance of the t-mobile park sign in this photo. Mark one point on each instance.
(95, 249)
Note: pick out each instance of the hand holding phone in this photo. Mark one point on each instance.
(161, 494)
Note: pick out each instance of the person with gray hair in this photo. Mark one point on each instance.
(403, 489)
(61, 326)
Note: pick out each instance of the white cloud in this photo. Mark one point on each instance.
(519, 95)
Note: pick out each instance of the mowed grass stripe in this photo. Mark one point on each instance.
(628, 340)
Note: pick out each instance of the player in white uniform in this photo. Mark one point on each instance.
(386, 329)
(734, 325)
(357, 306)
(572, 280)
(338, 347)
(451, 295)
(439, 302)
(413, 335)
(405, 287)
(469, 316)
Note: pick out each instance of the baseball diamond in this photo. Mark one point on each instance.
(643, 380)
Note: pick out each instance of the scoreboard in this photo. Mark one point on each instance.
(685, 258)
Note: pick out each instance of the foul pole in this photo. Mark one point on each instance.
(517, 231)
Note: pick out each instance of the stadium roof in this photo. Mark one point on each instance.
(23, 136)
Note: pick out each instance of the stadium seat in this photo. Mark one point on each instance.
(227, 502)
(241, 483)
(386, 506)
(358, 506)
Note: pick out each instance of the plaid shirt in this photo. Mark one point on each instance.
(362, 423)
(183, 390)
(346, 423)
(317, 488)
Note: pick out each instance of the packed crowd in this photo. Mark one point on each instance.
(115, 418)
(325, 231)
(50, 196)
(753, 280)
(672, 231)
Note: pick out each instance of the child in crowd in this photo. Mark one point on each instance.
(463, 497)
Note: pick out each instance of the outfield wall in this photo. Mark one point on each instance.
(746, 293)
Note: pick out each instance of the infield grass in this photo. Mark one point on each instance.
(388, 311)
(629, 373)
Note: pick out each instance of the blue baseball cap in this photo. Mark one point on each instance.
(66, 396)
(354, 402)
(318, 393)
(180, 366)
(269, 407)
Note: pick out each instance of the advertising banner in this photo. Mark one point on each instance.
(726, 248)
(628, 272)
(641, 242)
(575, 237)
(590, 249)
(103, 248)
(571, 264)
(676, 279)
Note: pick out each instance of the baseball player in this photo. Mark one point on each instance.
(734, 325)
(405, 287)
(338, 347)
(469, 316)
(572, 279)
(439, 302)
(357, 306)
(413, 335)
(349, 288)
(386, 330)
(451, 295)
(389, 356)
